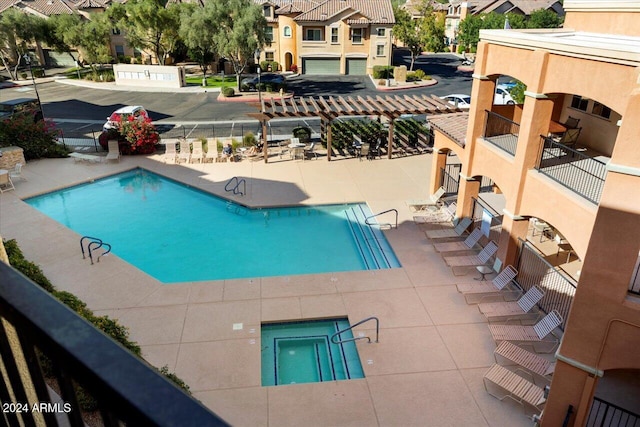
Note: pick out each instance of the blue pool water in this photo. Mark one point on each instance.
(302, 352)
(176, 233)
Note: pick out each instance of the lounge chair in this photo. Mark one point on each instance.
(81, 157)
(432, 201)
(473, 260)
(114, 150)
(525, 359)
(540, 333)
(501, 383)
(197, 153)
(500, 283)
(457, 231)
(185, 151)
(512, 309)
(444, 214)
(212, 151)
(5, 182)
(468, 243)
(170, 152)
(311, 151)
(16, 173)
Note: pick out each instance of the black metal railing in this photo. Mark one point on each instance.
(578, 172)
(482, 213)
(533, 270)
(605, 414)
(501, 132)
(450, 178)
(126, 388)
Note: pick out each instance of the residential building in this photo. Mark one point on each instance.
(583, 192)
(330, 37)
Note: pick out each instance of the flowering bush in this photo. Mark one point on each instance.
(134, 135)
(36, 139)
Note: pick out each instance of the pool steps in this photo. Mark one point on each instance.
(373, 247)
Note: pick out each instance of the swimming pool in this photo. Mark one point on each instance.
(302, 352)
(177, 233)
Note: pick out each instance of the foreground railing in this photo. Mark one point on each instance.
(576, 171)
(501, 132)
(127, 390)
(485, 217)
(605, 414)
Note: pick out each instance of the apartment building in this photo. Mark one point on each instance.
(566, 166)
(330, 37)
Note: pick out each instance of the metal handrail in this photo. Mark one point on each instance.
(366, 220)
(353, 326)
(235, 189)
(82, 240)
(100, 244)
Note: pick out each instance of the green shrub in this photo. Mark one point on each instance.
(28, 268)
(228, 92)
(302, 132)
(174, 378)
(124, 59)
(37, 139)
(269, 87)
(74, 303)
(420, 75)
(249, 139)
(382, 72)
(116, 331)
(275, 66)
(411, 76)
(461, 48)
(38, 72)
(243, 88)
(264, 65)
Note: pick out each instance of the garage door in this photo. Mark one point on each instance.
(321, 66)
(357, 67)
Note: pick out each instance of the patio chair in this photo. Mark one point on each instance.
(5, 182)
(16, 173)
(500, 285)
(311, 151)
(185, 151)
(468, 243)
(501, 383)
(444, 214)
(569, 138)
(473, 260)
(197, 153)
(458, 230)
(512, 309)
(528, 361)
(212, 151)
(170, 151)
(114, 150)
(432, 201)
(540, 333)
(571, 123)
(364, 152)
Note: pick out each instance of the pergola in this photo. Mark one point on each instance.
(331, 107)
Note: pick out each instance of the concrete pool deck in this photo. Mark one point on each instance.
(434, 349)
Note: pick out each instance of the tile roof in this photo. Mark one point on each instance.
(526, 6)
(90, 4)
(374, 11)
(47, 7)
(6, 4)
(452, 125)
(414, 7)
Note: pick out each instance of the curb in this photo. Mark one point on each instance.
(222, 98)
(416, 86)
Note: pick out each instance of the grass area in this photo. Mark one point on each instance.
(213, 81)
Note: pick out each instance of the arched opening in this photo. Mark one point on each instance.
(288, 61)
(616, 398)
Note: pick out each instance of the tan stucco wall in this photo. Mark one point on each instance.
(604, 22)
(120, 70)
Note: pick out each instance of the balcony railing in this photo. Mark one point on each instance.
(127, 390)
(501, 132)
(578, 172)
(605, 414)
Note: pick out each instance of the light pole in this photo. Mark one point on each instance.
(259, 86)
(27, 59)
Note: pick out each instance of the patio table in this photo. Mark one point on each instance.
(556, 128)
(297, 150)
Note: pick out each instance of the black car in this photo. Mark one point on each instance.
(250, 83)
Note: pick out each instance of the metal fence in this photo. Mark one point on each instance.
(533, 270)
(501, 132)
(450, 178)
(605, 414)
(578, 172)
(480, 211)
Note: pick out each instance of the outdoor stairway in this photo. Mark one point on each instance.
(373, 246)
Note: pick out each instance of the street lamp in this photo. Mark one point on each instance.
(27, 59)
(259, 89)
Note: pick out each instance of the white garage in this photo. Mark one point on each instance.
(320, 65)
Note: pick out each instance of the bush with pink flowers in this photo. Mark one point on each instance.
(134, 135)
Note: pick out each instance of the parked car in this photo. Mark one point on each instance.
(503, 97)
(130, 110)
(458, 99)
(251, 82)
(21, 106)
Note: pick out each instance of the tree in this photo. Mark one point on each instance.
(544, 18)
(432, 30)
(469, 29)
(406, 30)
(239, 32)
(196, 31)
(149, 25)
(91, 37)
(17, 31)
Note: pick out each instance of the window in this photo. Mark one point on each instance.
(267, 11)
(313, 34)
(119, 50)
(115, 31)
(381, 32)
(601, 110)
(268, 34)
(579, 103)
(334, 35)
(356, 35)
(268, 56)
(287, 31)
(380, 50)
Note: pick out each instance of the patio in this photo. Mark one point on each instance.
(434, 349)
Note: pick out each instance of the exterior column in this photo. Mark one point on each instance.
(329, 139)
(469, 188)
(265, 146)
(390, 141)
(513, 227)
(572, 386)
(438, 162)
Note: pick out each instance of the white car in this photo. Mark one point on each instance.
(130, 110)
(503, 97)
(460, 100)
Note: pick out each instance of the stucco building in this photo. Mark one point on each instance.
(580, 194)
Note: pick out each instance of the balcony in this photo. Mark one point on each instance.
(501, 132)
(583, 172)
(126, 388)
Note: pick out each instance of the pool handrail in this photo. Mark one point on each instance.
(357, 338)
(366, 220)
(235, 188)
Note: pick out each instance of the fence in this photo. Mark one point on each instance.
(534, 270)
(501, 132)
(480, 210)
(450, 177)
(605, 414)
